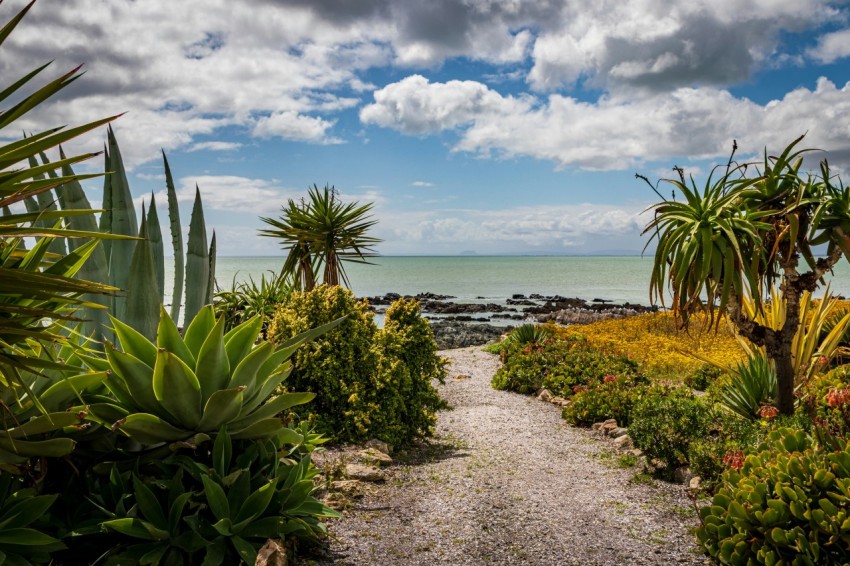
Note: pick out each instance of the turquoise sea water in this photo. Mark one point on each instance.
(470, 277)
(495, 278)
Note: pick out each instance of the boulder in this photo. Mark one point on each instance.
(608, 426)
(273, 553)
(374, 456)
(695, 484)
(682, 475)
(378, 445)
(623, 442)
(364, 472)
(560, 401)
(618, 432)
(544, 395)
(348, 487)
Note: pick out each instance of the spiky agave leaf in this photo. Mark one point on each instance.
(143, 299)
(123, 221)
(155, 237)
(198, 261)
(176, 241)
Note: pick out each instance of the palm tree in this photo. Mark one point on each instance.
(742, 234)
(323, 231)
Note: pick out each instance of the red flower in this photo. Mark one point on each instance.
(579, 388)
(609, 378)
(837, 397)
(768, 411)
(734, 459)
(823, 360)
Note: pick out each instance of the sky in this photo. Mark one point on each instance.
(474, 126)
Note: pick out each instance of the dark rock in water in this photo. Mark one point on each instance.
(432, 297)
(603, 301)
(521, 302)
(518, 296)
(536, 296)
(440, 307)
(467, 318)
(453, 334)
(506, 316)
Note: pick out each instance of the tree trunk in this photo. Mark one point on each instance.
(785, 378)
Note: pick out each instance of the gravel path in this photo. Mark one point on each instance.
(507, 481)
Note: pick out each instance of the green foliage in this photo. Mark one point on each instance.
(703, 377)
(217, 507)
(248, 299)
(786, 505)
(602, 400)
(666, 421)
(753, 385)
(23, 539)
(729, 434)
(322, 231)
(558, 365)
(368, 383)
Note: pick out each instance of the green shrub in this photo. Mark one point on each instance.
(558, 365)
(729, 433)
(787, 504)
(606, 399)
(368, 383)
(703, 377)
(666, 421)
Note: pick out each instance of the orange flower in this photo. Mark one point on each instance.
(768, 411)
(734, 459)
(837, 397)
(609, 378)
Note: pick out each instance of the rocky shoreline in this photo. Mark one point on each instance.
(458, 324)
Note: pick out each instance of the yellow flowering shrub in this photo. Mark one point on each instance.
(659, 345)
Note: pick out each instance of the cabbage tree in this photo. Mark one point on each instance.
(744, 233)
(324, 230)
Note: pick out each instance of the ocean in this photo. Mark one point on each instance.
(488, 278)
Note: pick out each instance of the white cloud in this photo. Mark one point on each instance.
(832, 46)
(215, 146)
(422, 184)
(230, 193)
(297, 127)
(543, 229)
(615, 132)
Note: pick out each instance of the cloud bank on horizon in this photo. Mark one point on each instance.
(504, 126)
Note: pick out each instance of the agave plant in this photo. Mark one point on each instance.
(529, 334)
(753, 385)
(195, 384)
(220, 512)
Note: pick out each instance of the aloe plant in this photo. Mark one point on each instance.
(183, 386)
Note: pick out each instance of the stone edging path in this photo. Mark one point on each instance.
(507, 481)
